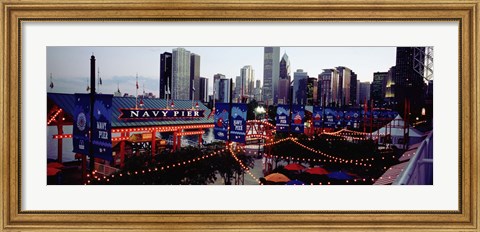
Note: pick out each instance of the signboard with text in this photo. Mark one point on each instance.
(136, 114)
(238, 122)
(101, 127)
(81, 124)
(283, 118)
(298, 117)
(329, 119)
(221, 121)
(317, 116)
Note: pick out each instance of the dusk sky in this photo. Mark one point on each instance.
(70, 66)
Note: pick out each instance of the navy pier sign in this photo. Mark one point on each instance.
(134, 114)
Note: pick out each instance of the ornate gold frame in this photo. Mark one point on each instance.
(16, 11)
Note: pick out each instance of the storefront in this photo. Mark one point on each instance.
(136, 126)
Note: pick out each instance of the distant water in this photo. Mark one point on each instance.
(52, 144)
(207, 138)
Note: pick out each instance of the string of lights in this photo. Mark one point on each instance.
(149, 170)
(353, 181)
(54, 116)
(163, 128)
(326, 155)
(262, 122)
(245, 168)
(333, 158)
(319, 160)
(334, 133)
(343, 138)
(63, 136)
(279, 141)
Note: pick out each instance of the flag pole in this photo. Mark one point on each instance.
(99, 79)
(193, 94)
(167, 92)
(136, 92)
(92, 101)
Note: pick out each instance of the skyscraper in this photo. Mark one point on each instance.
(312, 88)
(409, 79)
(165, 73)
(390, 85)
(224, 90)
(245, 84)
(353, 90)
(258, 91)
(358, 93)
(364, 92)
(300, 79)
(329, 87)
(284, 80)
(345, 80)
(181, 74)
(377, 89)
(237, 88)
(271, 63)
(203, 89)
(194, 76)
(216, 87)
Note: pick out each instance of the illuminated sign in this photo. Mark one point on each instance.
(134, 114)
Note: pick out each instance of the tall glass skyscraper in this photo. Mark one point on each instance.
(271, 63)
(300, 80)
(409, 79)
(284, 80)
(165, 74)
(203, 89)
(224, 90)
(216, 85)
(364, 93)
(194, 76)
(246, 84)
(329, 87)
(377, 91)
(181, 74)
(344, 74)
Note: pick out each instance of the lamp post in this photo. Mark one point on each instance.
(259, 110)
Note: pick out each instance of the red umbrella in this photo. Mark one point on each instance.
(52, 171)
(317, 171)
(55, 165)
(294, 167)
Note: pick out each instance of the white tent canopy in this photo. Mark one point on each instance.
(396, 130)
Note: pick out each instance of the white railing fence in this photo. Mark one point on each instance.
(419, 171)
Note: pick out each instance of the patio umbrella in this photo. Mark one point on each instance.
(339, 175)
(294, 167)
(55, 165)
(317, 171)
(295, 182)
(277, 177)
(52, 171)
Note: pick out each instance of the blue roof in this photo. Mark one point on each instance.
(67, 102)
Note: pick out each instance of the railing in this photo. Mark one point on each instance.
(419, 171)
(104, 169)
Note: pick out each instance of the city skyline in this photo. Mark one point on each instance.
(69, 66)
